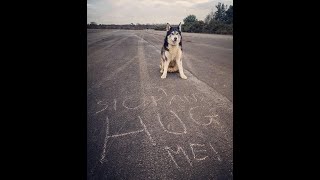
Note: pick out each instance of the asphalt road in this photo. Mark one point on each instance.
(143, 127)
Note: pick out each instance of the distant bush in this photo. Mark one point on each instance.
(219, 22)
(161, 27)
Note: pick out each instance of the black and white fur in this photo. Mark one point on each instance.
(171, 52)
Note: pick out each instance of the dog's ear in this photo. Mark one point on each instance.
(168, 27)
(180, 27)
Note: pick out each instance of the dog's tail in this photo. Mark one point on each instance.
(173, 68)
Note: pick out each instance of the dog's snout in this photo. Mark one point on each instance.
(175, 38)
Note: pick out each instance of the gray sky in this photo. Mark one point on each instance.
(148, 11)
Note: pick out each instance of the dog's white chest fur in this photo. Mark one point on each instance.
(174, 52)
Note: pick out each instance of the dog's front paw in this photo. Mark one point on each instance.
(183, 77)
(163, 76)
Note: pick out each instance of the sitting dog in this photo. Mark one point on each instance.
(171, 52)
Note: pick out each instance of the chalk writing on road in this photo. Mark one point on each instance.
(144, 129)
(197, 111)
(180, 121)
(195, 148)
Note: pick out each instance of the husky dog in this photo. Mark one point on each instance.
(171, 52)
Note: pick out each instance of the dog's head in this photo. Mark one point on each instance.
(174, 35)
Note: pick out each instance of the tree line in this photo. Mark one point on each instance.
(218, 22)
(131, 26)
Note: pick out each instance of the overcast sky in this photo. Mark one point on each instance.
(148, 11)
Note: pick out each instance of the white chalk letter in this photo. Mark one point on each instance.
(193, 151)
